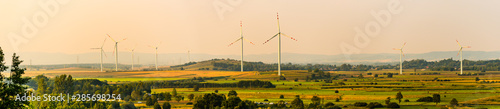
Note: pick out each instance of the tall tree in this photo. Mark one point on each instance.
(9, 91)
(297, 103)
(399, 96)
(436, 98)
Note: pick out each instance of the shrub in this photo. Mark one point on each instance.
(393, 105)
(360, 104)
(281, 96)
(425, 99)
(189, 103)
(374, 105)
(406, 100)
(336, 91)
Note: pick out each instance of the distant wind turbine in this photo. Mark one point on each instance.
(156, 54)
(102, 51)
(241, 38)
(132, 50)
(460, 53)
(279, 44)
(401, 55)
(189, 56)
(116, 50)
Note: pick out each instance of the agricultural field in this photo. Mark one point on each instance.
(368, 88)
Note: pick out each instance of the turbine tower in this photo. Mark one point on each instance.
(401, 55)
(279, 44)
(116, 50)
(102, 51)
(460, 53)
(156, 54)
(132, 50)
(241, 38)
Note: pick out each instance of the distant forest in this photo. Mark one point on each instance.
(441, 65)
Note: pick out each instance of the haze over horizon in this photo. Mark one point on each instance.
(320, 27)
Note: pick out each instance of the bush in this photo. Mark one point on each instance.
(393, 105)
(360, 104)
(406, 100)
(425, 99)
(329, 104)
(374, 105)
(281, 96)
(336, 91)
(189, 103)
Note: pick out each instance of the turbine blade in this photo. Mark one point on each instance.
(459, 51)
(123, 39)
(403, 45)
(111, 38)
(103, 42)
(289, 36)
(459, 43)
(248, 41)
(271, 38)
(403, 53)
(103, 52)
(158, 44)
(234, 42)
(466, 47)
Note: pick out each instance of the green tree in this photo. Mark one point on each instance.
(360, 76)
(166, 105)
(8, 92)
(316, 100)
(297, 103)
(436, 98)
(41, 86)
(178, 98)
(454, 102)
(168, 96)
(232, 93)
(136, 95)
(149, 101)
(196, 88)
(191, 97)
(399, 96)
(232, 102)
(157, 106)
(174, 92)
(388, 100)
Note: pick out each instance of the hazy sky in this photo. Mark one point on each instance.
(320, 26)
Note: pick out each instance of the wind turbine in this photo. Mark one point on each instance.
(156, 54)
(460, 53)
(279, 44)
(102, 51)
(241, 38)
(116, 50)
(401, 55)
(132, 50)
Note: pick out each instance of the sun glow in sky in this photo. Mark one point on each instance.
(208, 26)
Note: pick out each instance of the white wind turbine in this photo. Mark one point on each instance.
(401, 55)
(241, 38)
(156, 54)
(460, 53)
(116, 50)
(132, 50)
(279, 44)
(102, 51)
